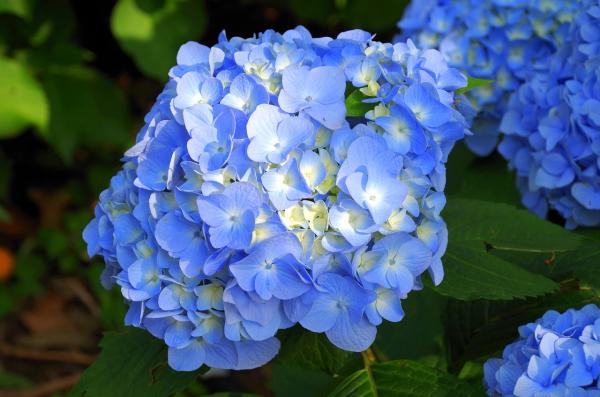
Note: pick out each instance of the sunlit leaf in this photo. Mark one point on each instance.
(21, 8)
(151, 31)
(22, 100)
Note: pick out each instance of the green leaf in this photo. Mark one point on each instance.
(480, 178)
(151, 31)
(422, 325)
(132, 364)
(504, 227)
(285, 381)
(22, 99)
(86, 109)
(476, 230)
(473, 273)
(479, 329)
(403, 378)
(309, 350)
(231, 394)
(21, 8)
(473, 82)
(583, 263)
(355, 107)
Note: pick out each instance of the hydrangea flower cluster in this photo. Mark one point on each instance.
(251, 203)
(558, 355)
(502, 40)
(552, 128)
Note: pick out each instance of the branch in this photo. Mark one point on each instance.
(72, 357)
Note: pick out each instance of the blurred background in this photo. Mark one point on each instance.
(76, 78)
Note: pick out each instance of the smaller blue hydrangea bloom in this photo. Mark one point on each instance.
(557, 355)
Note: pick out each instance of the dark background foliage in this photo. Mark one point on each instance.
(76, 78)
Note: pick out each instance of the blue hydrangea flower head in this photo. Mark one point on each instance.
(557, 355)
(251, 203)
(504, 41)
(552, 128)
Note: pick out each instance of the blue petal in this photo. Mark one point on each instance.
(178, 334)
(188, 358)
(173, 233)
(355, 336)
(221, 355)
(322, 315)
(325, 84)
(331, 115)
(191, 260)
(427, 109)
(211, 209)
(169, 297)
(192, 53)
(253, 354)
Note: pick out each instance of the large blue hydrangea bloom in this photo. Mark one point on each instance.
(503, 40)
(251, 203)
(552, 128)
(556, 356)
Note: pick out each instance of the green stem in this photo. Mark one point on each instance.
(369, 358)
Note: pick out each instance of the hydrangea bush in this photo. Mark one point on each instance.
(281, 179)
(557, 355)
(552, 128)
(506, 41)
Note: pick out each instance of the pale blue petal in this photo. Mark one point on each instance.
(331, 115)
(253, 354)
(352, 336)
(322, 315)
(188, 358)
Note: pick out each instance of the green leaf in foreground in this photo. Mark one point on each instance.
(584, 263)
(132, 364)
(22, 99)
(403, 378)
(232, 394)
(473, 273)
(479, 228)
(152, 31)
(309, 350)
(504, 227)
(355, 107)
(473, 82)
